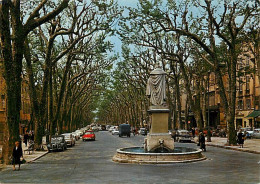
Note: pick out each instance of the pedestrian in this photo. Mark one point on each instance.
(202, 142)
(136, 131)
(17, 155)
(32, 136)
(25, 138)
(193, 132)
(240, 139)
(133, 130)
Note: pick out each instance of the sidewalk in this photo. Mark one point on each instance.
(33, 155)
(251, 145)
(29, 158)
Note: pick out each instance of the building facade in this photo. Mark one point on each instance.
(247, 99)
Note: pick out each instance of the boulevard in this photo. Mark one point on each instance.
(91, 162)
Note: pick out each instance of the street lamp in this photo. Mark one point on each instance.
(208, 132)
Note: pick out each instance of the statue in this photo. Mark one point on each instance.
(155, 89)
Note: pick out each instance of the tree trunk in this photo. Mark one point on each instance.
(12, 56)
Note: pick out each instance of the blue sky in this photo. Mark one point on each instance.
(115, 39)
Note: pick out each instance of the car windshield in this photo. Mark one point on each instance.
(56, 139)
(88, 133)
(67, 136)
(245, 129)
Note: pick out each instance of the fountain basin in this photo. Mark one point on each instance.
(139, 155)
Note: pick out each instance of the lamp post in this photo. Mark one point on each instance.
(208, 131)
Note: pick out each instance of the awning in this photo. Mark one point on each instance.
(254, 114)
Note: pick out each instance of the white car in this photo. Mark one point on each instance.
(249, 132)
(183, 135)
(256, 133)
(115, 132)
(70, 140)
(80, 132)
(76, 135)
(113, 128)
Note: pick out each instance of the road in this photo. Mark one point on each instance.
(90, 162)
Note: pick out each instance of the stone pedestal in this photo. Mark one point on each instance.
(159, 135)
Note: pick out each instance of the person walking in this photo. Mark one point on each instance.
(25, 138)
(193, 132)
(17, 155)
(240, 139)
(202, 142)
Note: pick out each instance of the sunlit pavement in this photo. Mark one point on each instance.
(90, 162)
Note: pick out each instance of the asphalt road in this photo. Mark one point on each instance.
(90, 162)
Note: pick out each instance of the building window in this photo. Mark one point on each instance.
(240, 87)
(247, 61)
(240, 104)
(247, 85)
(212, 99)
(248, 103)
(2, 105)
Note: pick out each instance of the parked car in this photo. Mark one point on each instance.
(115, 132)
(143, 131)
(248, 130)
(103, 127)
(124, 130)
(78, 134)
(89, 135)
(256, 133)
(69, 139)
(75, 135)
(107, 127)
(57, 143)
(183, 135)
(173, 134)
(95, 128)
(112, 128)
(81, 132)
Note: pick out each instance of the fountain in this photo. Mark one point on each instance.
(158, 145)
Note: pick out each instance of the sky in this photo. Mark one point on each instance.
(115, 39)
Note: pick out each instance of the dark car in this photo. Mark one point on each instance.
(103, 127)
(143, 131)
(57, 143)
(124, 130)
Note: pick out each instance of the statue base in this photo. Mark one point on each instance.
(159, 119)
(159, 138)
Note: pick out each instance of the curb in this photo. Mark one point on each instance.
(36, 158)
(236, 149)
